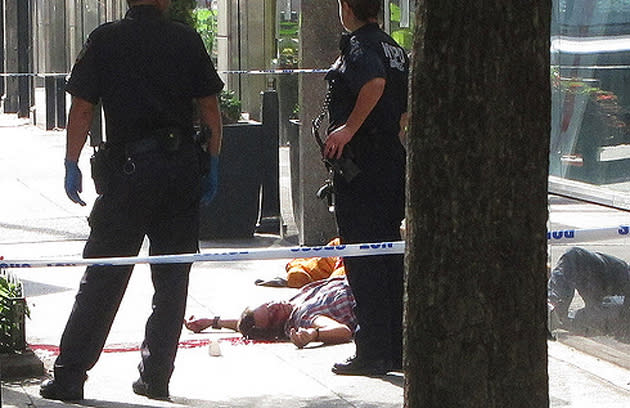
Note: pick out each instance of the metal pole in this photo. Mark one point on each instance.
(2, 46)
(23, 57)
(49, 89)
(270, 220)
(60, 103)
(10, 102)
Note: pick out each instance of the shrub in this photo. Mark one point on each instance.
(230, 107)
(13, 309)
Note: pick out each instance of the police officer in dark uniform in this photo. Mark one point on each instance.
(367, 108)
(147, 71)
(595, 276)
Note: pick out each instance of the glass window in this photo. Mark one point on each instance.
(590, 161)
(590, 138)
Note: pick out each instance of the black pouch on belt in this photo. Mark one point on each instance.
(101, 168)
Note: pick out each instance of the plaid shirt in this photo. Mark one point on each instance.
(329, 297)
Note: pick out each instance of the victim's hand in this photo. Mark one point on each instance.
(197, 325)
(301, 337)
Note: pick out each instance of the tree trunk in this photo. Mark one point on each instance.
(475, 313)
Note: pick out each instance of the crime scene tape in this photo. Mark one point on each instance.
(571, 236)
(348, 250)
(575, 236)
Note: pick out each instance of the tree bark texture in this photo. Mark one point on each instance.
(475, 314)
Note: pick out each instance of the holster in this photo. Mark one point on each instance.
(345, 166)
(101, 167)
(201, 138)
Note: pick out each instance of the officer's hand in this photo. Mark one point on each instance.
(336, 141)
(73, 181)
(210, 182)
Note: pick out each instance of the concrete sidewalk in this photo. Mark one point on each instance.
(38, 221)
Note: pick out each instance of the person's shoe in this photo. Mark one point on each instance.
(53, 390)
(361, 366)
(141, 388)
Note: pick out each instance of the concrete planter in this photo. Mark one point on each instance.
(234, 211)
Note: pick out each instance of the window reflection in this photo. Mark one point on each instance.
(590, 54)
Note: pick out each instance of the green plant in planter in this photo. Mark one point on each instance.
(13, 309)
(230, 107)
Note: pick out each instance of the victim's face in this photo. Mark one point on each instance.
(272, 314)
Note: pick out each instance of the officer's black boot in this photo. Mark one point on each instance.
(157, 393)
(55, 390)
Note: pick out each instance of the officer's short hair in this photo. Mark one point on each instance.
(365, 9)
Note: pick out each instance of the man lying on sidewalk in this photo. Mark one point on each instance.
(322, 311)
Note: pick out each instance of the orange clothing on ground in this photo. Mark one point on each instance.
(301, 271)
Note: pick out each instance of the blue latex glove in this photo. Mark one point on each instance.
(210, 181)
(73, 181)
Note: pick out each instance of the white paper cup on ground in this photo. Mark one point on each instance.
(214, 349)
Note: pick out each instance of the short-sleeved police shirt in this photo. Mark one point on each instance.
(146, 70)
(370, 53)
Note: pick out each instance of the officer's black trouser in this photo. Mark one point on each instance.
(160, 199)
(370, 209)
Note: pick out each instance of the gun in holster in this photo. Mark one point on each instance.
(201, 137)
(344, 166)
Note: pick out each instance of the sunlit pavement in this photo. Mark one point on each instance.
(38, 221)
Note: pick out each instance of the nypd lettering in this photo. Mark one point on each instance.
(395, 55)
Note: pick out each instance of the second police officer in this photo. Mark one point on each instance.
(367, 110)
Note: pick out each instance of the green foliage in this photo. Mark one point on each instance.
(288, 44)
(287, 58)
(288, 29)
(12, 312)
(230, 107)
(206, 26)
(403, 36)
(182, 10)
